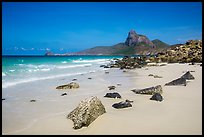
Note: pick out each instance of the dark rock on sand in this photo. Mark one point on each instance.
(33, 100)
(86, 112)
(179, 81)
(156, 76)
(191, 71)
(150, 75)
(122, 104)
(3, 99)
(192, 63)
(89, 78)
(113, 95)
(102, 66)
(188, 76)
(64, 94)
(149, 91)
(71, 85)
(111, 87)
(157, 97)
(130, 101)
(74, 79)
(106, 67)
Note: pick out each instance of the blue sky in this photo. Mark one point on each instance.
(34, 27)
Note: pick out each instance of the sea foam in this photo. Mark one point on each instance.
(9, 84)
(73, 66)
(3, 74)
(90, 61)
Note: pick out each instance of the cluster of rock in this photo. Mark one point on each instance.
(127, 62)
(191, 51)
(91, 108)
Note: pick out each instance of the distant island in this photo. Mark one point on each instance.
(135, 44)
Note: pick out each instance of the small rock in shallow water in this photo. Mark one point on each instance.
(33, 100)
(89, 78)
(157, 97)
(74, 79)
(3, 99)
(102, 65)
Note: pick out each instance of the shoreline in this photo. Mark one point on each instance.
(179, 113)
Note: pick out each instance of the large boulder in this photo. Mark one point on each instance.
(86, 112)
(113, 95)
(179, 81)
(72, 85)
(149, 91)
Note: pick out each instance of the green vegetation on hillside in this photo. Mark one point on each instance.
(159, 43)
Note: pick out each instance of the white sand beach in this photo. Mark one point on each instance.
(179, 113)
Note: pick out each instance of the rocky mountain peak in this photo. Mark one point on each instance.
(135, 39)
(132, 38)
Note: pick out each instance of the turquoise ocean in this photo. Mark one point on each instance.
(22, 69)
